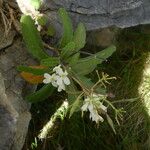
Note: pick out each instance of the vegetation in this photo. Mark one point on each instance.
(66, 129)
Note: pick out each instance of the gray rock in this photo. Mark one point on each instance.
(102, 13)
(14, 110)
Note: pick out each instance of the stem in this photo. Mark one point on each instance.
(110, 104)
(87, 91)
(51, 48)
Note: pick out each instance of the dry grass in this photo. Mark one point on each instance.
(9, 16)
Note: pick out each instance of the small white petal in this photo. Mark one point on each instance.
(65, 73)
(46, 81)
(94, 96)
(84, 107)
(54, 84)
(58, 70)
(61, 87)
(91, 108)
(59, 81)
(96, 117)
(104, 108)
(65, 104)
(66, 80)
(101, 119)
(87, 99)
(57, 67)
(46, 75)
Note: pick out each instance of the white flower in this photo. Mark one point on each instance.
(94, 106)
(27, 8)
(58, 79)
(60, 86)
(96, 117)
(50, 79)
(62, 80)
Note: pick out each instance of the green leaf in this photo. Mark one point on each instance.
(36, 3)
(32, 38)
(79, 37)
(50, 61)
(104, 54)
(72, 92)
(68, 50)
(76, 105)
(67, 28)
(74, 59)
(87, 82)
(110, 122)
(86, 65)
(35, 71)
(40, 95)
(42, 20)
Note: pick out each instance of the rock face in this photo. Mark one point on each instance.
(102, 13)
(14, 110)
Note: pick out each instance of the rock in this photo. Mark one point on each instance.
(102, 38)
(8, 119)
(14, 110)
(101, 13)
(6, 40)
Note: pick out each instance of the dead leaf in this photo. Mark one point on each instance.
(31, 78)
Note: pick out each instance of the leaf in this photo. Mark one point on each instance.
(87, 82)
(68, 50)
(36, 3)
(40, 95)
(104, 54)
(79, 37)
(42, 20)
(32, 38)
(32, 74)
(72, 92)
(86, 65)
(110, 122)
(35, 70)
(74, 59)
(33, 79)
(76, 105)
(67, 28)
(50, 61)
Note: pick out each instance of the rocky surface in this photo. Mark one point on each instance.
(102, 13)
(14, 110)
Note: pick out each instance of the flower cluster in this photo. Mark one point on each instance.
(58, 79)
(27, 8)
(95, 107)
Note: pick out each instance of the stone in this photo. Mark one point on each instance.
(96, 14)
(14, 110)
(101, 38)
